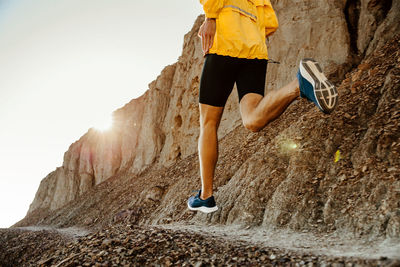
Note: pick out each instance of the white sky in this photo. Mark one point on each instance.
(65, 65)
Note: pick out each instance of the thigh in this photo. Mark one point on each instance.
(251, 77)
(217, 80)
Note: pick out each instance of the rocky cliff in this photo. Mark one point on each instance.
(306, 170)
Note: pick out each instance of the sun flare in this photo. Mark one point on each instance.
(103, 124)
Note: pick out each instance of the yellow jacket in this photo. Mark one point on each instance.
(242, 27)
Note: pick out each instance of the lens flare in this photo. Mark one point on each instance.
(288, 146)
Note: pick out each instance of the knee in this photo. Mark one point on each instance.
(253, 126)
(209, 124)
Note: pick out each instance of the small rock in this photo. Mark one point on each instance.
(364, 66)
(107, 242)
(347, 116)
(372, 72)
(168, 262)
(356, 76)
(102, 253)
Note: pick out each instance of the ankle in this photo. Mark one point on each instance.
(205, 195)
(296, 91)
(296, 88)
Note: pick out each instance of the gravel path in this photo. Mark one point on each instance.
(333, 244)
(155, 246)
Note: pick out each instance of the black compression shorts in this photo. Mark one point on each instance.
(220, 74)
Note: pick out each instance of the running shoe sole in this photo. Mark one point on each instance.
(325, 92)
(204, 209)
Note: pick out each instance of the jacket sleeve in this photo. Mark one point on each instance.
(212, 7)
(271, 21)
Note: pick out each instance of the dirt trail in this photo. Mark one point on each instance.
(334, 245)
(70, 232)
(188, 245)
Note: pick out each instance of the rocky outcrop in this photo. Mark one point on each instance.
(151, 149)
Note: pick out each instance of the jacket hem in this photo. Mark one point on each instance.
(239, 56)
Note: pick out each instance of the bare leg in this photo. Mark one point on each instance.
(210, 117)
(258, 111)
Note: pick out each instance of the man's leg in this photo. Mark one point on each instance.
(258, 111)
(210, 117)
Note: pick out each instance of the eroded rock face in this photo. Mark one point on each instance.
(306, 171)
(315, 29)
(160, 128)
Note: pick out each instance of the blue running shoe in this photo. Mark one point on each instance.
(315, 86)
(206, 206)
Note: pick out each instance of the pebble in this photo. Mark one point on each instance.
(107, 242)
